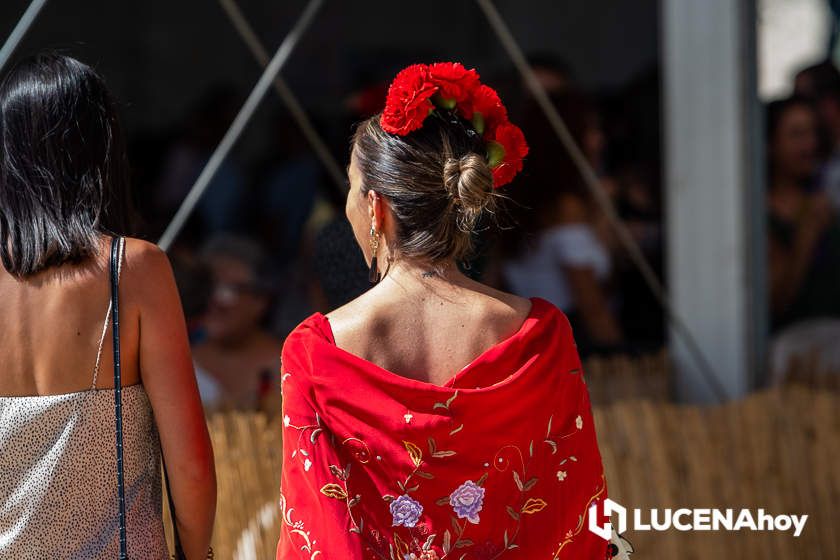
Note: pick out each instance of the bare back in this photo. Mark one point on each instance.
(52, 323)
(49, 334)
(428, 330)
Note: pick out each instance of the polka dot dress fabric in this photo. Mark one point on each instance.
(58, 477)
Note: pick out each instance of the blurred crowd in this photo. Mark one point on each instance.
(803, 228)
(268, 244)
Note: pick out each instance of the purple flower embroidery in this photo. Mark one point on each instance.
(467, 501)
(406, 511)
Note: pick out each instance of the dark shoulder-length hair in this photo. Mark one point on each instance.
(63, 166)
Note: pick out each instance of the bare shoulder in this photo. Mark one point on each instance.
(507, 312)
(352, 316)
(147, 273)
(142, 255)
(503, 305)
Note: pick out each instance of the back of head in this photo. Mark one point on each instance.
(63, 167)
(437, 180)
(438, 151)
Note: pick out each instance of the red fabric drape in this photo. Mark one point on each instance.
(501, 462)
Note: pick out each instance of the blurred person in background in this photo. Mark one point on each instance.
(195, 285)
(63, 199)
(803, 228)
(560, 246)
(821, 85)
(812, 80)
(803, 241)
(236, 357)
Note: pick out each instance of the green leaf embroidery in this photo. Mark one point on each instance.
(441, 454)
(447, 542)
(448, 402)
(428, 544)
(518, 481)
(414, 452)
(432, 446)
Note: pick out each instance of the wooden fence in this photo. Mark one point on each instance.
(778, 450)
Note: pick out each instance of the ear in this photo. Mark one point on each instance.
(376, 210)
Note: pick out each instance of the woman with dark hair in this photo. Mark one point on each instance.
(434, 417)
(803, 230)
(63, 201)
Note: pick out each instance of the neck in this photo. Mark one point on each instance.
(413, 273)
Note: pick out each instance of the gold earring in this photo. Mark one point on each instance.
(374, 276)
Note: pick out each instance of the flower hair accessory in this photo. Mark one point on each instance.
(422, 89)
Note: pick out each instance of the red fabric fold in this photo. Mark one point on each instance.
(501, 462)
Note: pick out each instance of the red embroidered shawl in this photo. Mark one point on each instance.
(501, 462)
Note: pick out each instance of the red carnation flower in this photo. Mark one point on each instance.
(486, 102)
(417, 89)
(408, 104)
(455, 84)
(511, 139)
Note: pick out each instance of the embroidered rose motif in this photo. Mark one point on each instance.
(561, 475)
(406, 511)
(579, 422)
(467, 500)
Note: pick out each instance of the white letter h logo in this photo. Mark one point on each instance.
(610, 507)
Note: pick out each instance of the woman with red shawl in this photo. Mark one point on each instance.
(434, 417)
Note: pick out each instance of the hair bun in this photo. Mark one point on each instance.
(469, 182)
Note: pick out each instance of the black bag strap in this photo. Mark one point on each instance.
(117, 248)
(117, 244)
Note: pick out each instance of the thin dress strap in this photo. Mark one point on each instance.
(107, 316)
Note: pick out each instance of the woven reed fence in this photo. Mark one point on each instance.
(620, 378)
(778, 450)
(808, 370)
(248, 452)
